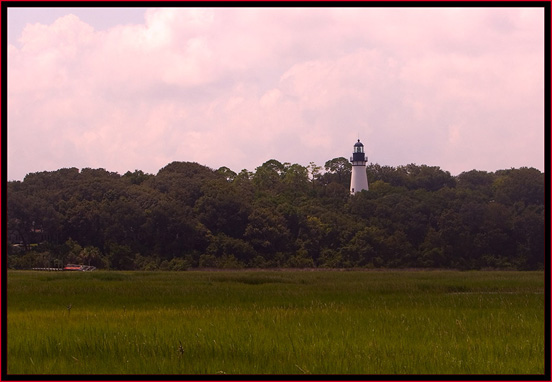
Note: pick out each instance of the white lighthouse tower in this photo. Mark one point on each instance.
(359, 181)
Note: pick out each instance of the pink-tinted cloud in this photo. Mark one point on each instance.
(456, 87)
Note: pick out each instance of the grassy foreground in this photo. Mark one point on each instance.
(275, 322)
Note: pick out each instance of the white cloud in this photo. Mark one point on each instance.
(459, 88)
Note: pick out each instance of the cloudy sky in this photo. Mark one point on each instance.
(126, 89)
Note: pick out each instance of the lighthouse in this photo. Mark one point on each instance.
(359, 181)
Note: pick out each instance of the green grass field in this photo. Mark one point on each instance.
(276, 322)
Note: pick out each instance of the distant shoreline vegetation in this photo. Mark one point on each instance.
(281, 215)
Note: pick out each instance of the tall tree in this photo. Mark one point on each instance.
(338, 170)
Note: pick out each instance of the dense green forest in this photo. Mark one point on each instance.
(280, 215)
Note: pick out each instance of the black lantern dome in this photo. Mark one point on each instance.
(358, 152)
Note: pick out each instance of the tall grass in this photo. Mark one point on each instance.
(257, 322)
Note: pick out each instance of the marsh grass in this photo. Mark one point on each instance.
(262, 322)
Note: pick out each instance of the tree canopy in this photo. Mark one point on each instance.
(280, 215)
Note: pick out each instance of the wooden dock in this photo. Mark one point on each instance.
(68, 267)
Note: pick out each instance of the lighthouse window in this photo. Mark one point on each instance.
(358, 149)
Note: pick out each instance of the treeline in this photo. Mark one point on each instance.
(280, 215)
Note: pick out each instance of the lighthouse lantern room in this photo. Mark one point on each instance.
(359, 180)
